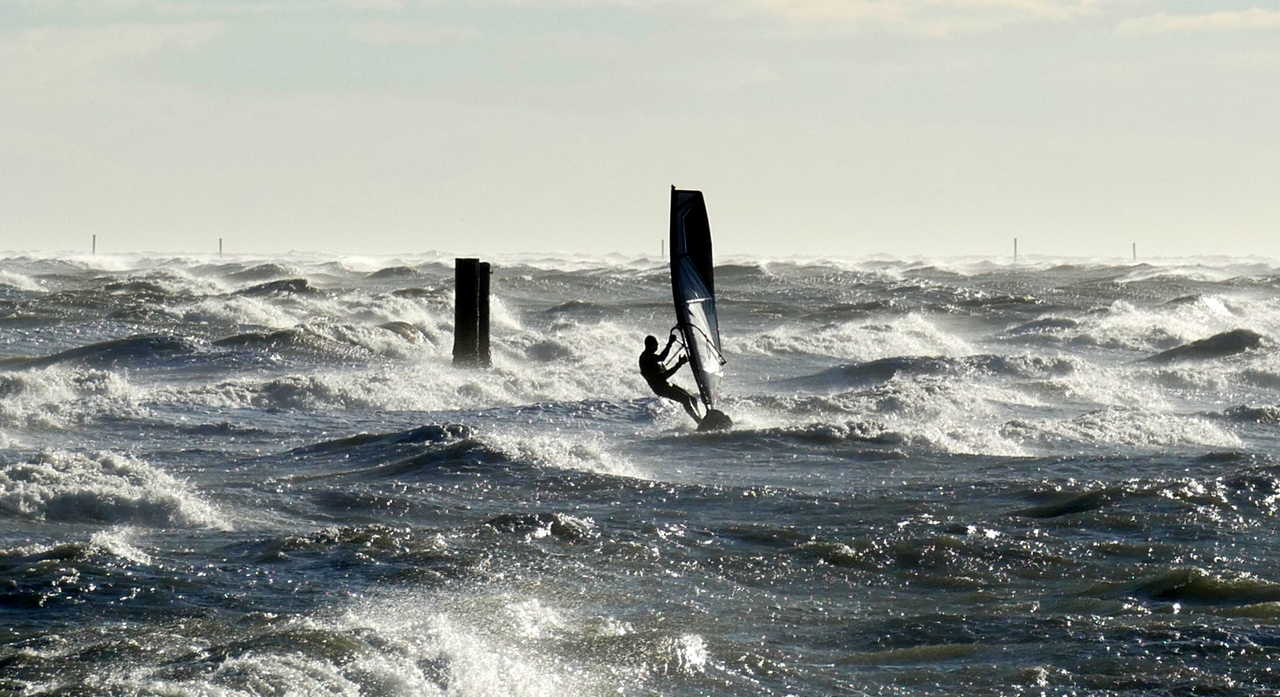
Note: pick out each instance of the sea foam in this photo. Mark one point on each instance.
(111, 488)
(59, 396)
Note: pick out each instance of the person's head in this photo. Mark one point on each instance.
(651, 343)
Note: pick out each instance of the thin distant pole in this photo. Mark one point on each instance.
(219, 246)
(94, 248)
(1015, 250)
(1135, 251)
(662, 248)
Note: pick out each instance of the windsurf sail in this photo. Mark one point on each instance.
(694, 291)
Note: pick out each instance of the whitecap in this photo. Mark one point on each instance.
(101, 487)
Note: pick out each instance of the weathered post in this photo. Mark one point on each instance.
(483, 355)
(466, 317)
(219, 246)
(1015, 250)
(471, 313)
(94, 247)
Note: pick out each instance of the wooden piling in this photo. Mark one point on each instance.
(483, 356)
(471, 313)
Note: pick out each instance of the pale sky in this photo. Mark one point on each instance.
(849, 128)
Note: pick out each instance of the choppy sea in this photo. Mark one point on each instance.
(262, 476)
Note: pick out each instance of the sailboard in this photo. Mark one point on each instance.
(693, 290)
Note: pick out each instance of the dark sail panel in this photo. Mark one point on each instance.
(693, 290)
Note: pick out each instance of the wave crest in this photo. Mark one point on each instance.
(101, 488)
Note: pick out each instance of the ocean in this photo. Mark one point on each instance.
(263, 476)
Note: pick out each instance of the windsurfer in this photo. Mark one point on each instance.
(656, 373)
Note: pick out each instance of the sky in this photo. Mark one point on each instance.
(813, 127)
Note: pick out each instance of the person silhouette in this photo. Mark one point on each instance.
(655, 372)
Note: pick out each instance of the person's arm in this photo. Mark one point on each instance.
(663, 356)
(672, 370)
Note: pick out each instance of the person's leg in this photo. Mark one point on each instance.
(690, 405)
(686, 400)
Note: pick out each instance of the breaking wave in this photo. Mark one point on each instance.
(59, 396)
(106, 488)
